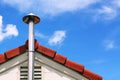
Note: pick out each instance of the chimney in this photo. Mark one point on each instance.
(31, 19)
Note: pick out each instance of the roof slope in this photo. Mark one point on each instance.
(52, 55)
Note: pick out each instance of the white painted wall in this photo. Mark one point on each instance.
(11, 69)
(51, 74)
(47, 74)
(50, 69)
(12, 74)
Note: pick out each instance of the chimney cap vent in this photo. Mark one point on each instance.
(31, 17)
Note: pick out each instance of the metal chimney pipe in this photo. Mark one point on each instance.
(31, 19)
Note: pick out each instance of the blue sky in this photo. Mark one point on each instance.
(85, 31)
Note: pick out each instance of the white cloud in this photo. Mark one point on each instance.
(109, 10)
(116, 3)
(109, 44)
(98, 62)
(106, 13)
(40, 35)
(22, 5)
(51, 7)
(57, 38)
(106, 10)
(9, 31)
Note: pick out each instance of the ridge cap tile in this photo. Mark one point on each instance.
(36, 44)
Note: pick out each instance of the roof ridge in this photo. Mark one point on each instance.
(52, 55)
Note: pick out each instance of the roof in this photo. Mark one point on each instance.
(52, 55)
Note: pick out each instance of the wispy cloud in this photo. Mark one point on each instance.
(50, 7)
(109, 44)
(9, 31)
(57, 38)
(98, 62)
(116, 3)
(105, 13)
(54, 39)
(107, 10)
(40, 35)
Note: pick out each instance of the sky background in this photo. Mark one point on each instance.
(85, 31)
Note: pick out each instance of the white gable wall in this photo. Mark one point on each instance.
(55, 68)
(12, 74)
(11, 69)
(50, 69)
(51, 74)
(47, 74)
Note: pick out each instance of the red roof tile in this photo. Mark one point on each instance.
(74, 66)
(46, 51)
(54, 56)
(90, 75)
(60, 59)
(14, 52)
(36, 44)
(2, 58)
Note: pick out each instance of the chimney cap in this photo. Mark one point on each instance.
(31, 17)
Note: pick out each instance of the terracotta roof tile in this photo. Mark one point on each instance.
(2, 58)
(46, 51)
(75, 66)
(50, 54)
(14, 52)
(59, 58)
(90, 75)
(36, 44)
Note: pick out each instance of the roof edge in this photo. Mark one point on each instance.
(52, 55)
